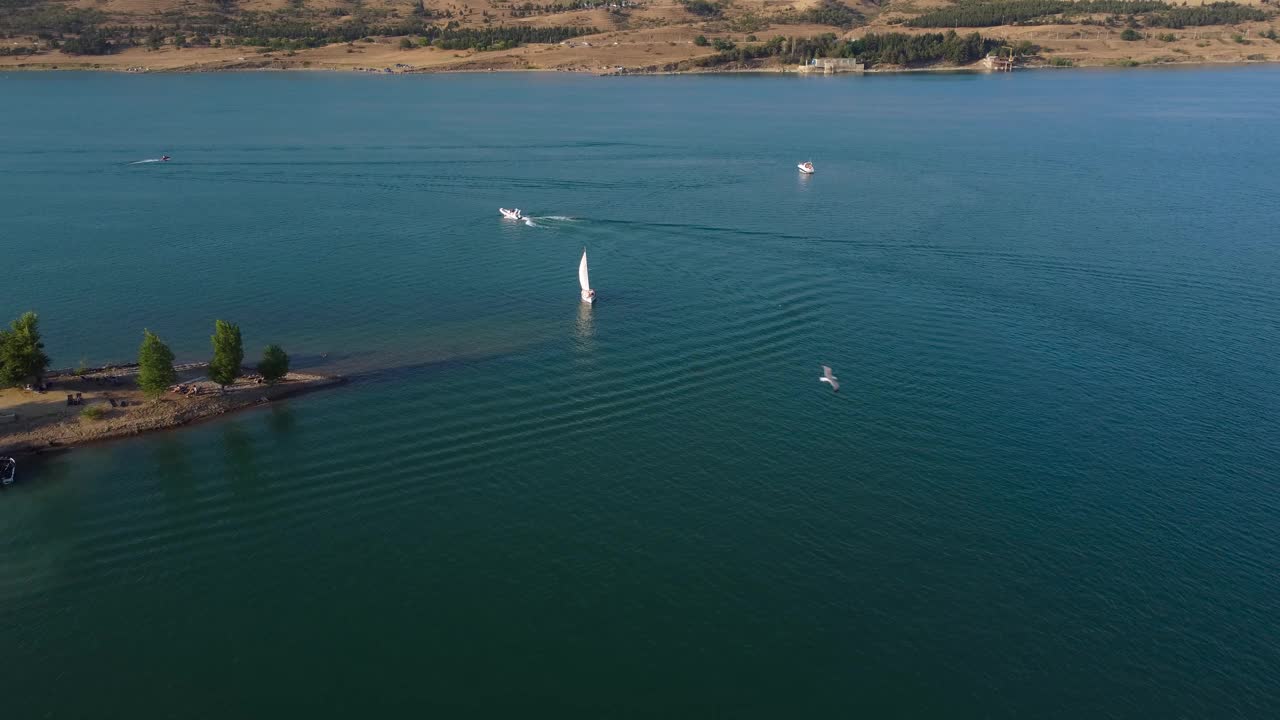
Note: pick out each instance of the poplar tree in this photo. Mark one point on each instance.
(228, 354)
(155, 365)
(274, 365)
(22, 357)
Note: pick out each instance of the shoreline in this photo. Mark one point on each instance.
(622, 37)
(39, 423)
(638, 72)
(958, 69)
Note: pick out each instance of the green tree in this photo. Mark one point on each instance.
(832, 12)
(406, 44)
(702, 8)
(228, 353)
(22, 357)
(701, 41)
(1130, 34)
(92, 41)
(155, 365)
(274, 365)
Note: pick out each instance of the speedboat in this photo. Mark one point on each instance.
(511, 214)
(164, 158)
(806, 168)
(8, 468)
(588, 295)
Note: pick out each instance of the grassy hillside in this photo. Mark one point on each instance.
(612, 35)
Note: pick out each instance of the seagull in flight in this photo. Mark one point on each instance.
(827, 377)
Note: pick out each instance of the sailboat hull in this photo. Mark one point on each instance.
(588, 299)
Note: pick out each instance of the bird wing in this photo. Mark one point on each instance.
(826, 371)
(835, 386)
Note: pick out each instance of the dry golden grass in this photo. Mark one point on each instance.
(656, 36)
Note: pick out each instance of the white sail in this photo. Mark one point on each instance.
(582, 273)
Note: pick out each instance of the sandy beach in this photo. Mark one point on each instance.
(105, 403)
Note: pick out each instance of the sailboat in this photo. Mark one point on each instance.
(588, 295)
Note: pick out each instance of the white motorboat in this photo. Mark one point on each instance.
(588, 295)
(513, 214)
(8, 468)
(806, 168)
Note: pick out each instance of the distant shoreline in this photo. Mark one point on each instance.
(781, 70)
(635, 37)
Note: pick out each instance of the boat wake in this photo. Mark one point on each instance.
(542, 221)
(142, 162)
(532, 220)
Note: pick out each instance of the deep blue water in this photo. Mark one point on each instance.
(1047, 487)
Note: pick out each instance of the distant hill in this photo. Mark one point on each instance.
(622, 35)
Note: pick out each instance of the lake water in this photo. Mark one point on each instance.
(1047, 487)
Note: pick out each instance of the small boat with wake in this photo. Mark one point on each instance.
(164, 158)
(584, 282)
(806, 167)
(513, 214)
(8, 469)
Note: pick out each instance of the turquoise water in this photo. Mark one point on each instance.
(1047, 487)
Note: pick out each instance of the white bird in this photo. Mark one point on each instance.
(827, 377)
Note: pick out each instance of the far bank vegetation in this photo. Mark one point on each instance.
(79, 31)
(1135, 13)
(898, 49)
(737, 30)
